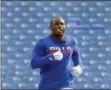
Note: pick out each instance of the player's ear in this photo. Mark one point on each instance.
(50, 25)
(50, 28)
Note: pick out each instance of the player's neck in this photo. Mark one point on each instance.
(59, 37)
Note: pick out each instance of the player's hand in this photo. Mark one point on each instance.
(77, 71)
(58, 55)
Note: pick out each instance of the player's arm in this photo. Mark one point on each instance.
(38, 58)
(77, 69)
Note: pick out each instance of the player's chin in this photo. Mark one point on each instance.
(59, 34)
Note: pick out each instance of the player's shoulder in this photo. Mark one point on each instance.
(43, 39)
(71, 39)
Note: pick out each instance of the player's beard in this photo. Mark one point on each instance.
(59, 36)
(59, 32)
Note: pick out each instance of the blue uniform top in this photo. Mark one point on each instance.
(55, 74)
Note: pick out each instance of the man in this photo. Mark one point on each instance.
(52, 55)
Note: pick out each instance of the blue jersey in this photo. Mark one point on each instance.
(55, 74)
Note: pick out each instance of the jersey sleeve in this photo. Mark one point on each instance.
(76, 54)
(38, 59)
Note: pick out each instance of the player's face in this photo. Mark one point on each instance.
(58, 27)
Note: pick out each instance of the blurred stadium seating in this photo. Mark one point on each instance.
(25, 22)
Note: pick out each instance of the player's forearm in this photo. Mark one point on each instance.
(38, 62)
(77, 69)
(76, 58)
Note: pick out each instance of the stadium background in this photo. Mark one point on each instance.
(25, 22)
